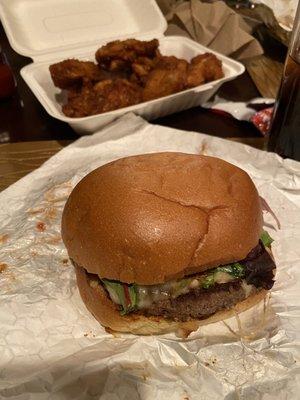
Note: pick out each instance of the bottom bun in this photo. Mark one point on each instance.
(104, 310)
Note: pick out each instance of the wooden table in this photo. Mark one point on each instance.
(19, 159)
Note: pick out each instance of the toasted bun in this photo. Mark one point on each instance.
(104, 310)
(155, 217)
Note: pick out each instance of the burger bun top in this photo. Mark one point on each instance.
(155, 217)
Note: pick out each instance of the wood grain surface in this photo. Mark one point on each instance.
(19, 159)
(266, 74)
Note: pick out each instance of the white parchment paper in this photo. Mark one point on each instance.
(52, 348)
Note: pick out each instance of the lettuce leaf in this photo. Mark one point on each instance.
(235, 269)
(133, 298)
(208, 281)
(266, 239)
(126, 294)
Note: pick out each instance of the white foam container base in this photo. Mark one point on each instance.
(38, 78)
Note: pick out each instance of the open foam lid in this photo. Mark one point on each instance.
(38, 28)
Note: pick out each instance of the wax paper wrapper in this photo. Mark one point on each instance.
(52, 348)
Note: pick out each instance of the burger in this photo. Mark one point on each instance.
(167, 242)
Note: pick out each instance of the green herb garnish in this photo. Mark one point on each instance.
(266, 239)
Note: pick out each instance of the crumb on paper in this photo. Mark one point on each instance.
(89, 334)
(3, 267)
(9, 276)
(65, 261)
(34, 211)
(48, 213)
(41, 226)
(138, 370)
(3, 238)
(33, 253)
(145, 375)
(53, 239)
(185, 396)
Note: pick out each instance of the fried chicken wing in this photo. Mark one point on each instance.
(106, 95)
(118, 94)
(69, 73)
(143, 65)
(171, 62)
(128, 72)
(83, 102)
(119, 65)
(204, 68)
(168, 77)
(120, 54)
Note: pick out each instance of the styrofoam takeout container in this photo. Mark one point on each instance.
(52, 30)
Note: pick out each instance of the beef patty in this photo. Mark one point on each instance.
(200, 303)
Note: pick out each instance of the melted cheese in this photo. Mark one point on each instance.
(247, 288)
(149, 294)
(223, 277)
(154, 293)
